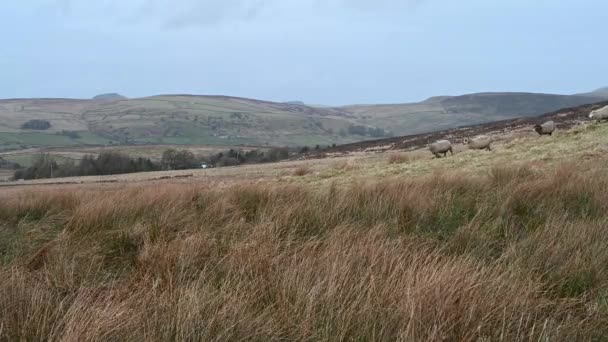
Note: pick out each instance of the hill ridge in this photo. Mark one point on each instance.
(190, 119)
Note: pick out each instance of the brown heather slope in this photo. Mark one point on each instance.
(446, 112)
(565, 119)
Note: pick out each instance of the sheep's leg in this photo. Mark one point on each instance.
(451, 151)
(489, 148)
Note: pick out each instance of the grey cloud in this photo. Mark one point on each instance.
(175, 14)
(382, 5)
(65, 6)
(185, 13)
(209, 13)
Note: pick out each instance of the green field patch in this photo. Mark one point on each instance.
(24, 140)
(27, 159)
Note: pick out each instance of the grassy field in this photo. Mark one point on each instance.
(5, 175)
(507, 245)
(26, 160)
(44, 139)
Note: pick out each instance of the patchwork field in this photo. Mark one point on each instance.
(170, 119)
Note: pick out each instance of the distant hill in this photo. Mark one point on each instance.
(445, 112)
(224, 120)
(601, 92)
(174, 119)
(564, 118)
(109, 97)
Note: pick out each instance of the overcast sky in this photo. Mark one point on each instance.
(317, 51)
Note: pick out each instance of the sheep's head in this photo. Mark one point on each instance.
(538, 129)
(592, 115)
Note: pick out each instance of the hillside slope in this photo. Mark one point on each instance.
(565, 118)
(232, 121)
(445, 112)
(185, 119)
(171, 119)
(601, 92)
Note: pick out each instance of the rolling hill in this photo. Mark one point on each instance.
(223, 120)
(171, 119)
(601, 92)
(444, 112)
(110, 97)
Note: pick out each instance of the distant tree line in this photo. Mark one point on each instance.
(235, 157)
(317, 148)
(36, 124)
(178, 160)
(106, 163)
(114, 163)
(7, 165)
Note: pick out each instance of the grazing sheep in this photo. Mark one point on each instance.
(441, 146)
(599, 115)
(481, 142)
(546, 128)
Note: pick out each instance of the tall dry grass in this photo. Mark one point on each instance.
(399, 158)
(513, 255)
(302, 171)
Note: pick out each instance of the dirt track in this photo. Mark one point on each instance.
(564, 118)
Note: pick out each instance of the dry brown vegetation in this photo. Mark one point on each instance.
(401, 158)
(301, 171)
(514, 254)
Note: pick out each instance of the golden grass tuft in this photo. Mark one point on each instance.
(398, 158)
(302, 171)
(407, 157)
(345, 165)
(514, 254)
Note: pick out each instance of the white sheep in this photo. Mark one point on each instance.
(546, 128)
(441, 146)
(482, 142)
(599, 114)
